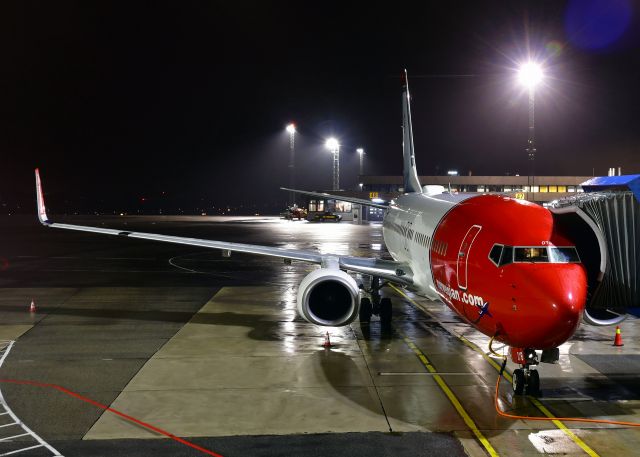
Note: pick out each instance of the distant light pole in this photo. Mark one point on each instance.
(333, 146)
(360, 152)
(291, 130)
(530, 75)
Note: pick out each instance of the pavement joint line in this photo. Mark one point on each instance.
(373, 382)
(559, 424)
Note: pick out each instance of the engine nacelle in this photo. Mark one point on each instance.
(328, 297)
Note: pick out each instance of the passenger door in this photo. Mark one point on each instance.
(463, 255)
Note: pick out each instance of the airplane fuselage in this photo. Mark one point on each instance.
(498, 262)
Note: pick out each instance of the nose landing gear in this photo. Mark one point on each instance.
(525, 379)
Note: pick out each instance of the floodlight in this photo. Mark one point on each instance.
(332, 144)
(530, 74)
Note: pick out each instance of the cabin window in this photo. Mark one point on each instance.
(531, 254)
(312, 205)
(496, 253)
(564, 255)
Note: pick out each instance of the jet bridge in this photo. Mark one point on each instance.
(605, 224)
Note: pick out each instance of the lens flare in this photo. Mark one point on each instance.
(554, 48)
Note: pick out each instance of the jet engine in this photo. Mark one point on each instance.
(328, 297)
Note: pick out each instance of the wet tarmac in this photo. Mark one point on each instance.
(211, 349)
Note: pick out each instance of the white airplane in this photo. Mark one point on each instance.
(497, 262)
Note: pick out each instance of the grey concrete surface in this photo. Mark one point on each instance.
(208, 347)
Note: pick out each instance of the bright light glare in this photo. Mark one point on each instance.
(360, 151)
(291, 128)
(452, 172)
(530, 74)
(332, 144)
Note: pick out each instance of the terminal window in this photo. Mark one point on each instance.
(544, 189)
(316, 205)
(343, 207)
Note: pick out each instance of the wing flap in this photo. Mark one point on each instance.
(271, 251)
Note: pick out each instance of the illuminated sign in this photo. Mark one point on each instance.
(373, 195)
(520, 195)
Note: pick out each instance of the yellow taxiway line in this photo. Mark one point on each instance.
(450, 395)
(576, 439)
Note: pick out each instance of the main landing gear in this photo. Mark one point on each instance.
(380, 306)
(525, 379)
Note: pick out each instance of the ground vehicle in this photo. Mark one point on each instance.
(294, 212)
(327, 216)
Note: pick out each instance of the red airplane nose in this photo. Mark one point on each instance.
(550, 303)
(567, 297)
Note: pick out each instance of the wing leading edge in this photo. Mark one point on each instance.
(359, 201)
(390, 270)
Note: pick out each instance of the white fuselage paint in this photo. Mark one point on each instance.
(408, 229)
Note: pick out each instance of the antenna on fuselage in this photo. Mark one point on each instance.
(410, 174)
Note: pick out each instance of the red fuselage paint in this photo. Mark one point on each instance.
(527, 305)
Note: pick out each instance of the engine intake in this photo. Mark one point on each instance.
(328, 297)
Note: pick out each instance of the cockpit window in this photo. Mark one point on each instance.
(501, 255)
(496, 253)
(564, 255)
(531, 254)
(507, 255)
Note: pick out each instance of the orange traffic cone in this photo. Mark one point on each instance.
(327, 341)
(618, 339)
(32, 307)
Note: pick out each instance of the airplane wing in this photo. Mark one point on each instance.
(359, 201)
(389, 270)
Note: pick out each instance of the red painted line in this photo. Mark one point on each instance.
(114, 411)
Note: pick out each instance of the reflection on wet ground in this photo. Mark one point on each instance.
(210, 346)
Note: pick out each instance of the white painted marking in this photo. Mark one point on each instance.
(28, 432)
(553, 442)
(411, 373)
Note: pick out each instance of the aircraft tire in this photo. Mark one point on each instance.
(518, 381)
(533, 387)
(385, 310)
(366, 310)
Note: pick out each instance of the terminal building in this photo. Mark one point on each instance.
(539, 189)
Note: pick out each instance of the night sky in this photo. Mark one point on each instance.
(184, 104)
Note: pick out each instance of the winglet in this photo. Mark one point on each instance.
(42, 211)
